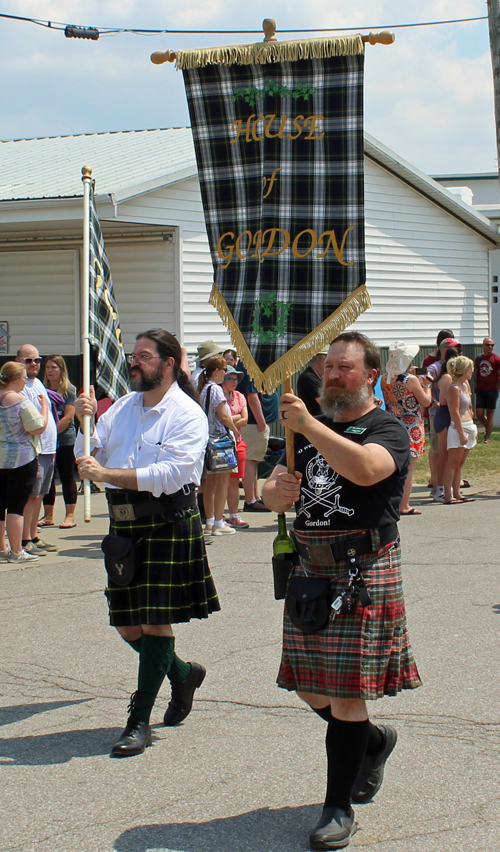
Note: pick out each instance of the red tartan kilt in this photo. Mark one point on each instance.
(366, 654)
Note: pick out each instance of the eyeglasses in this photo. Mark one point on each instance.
(136, 359)
(31, 360)
(489, 344)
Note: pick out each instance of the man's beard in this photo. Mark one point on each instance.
(345, 401)
(141, 383)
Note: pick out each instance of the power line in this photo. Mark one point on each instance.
(58, 25)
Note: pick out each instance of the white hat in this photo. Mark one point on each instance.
(400, 357)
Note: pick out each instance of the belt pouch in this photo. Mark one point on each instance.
(121, 558)
(308, 603)
(282, 565)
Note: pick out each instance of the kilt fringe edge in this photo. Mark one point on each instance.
(299, 355)
(277, 51)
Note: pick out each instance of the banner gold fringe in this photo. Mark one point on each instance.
(300, 354)
(270, 51)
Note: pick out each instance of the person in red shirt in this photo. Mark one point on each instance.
(487, 384)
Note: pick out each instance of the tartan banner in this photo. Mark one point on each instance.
(104, 328)
(279, 147)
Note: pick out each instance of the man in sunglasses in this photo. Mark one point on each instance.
(486, 386)
(28, 355)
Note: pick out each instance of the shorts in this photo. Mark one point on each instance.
(15, 488)
(433, 435)
(486, 399)
(470, 430)
(241, 453)
(256, 441)
(44, 475)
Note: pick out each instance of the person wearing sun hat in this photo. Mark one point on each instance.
(404, 396)
(205, 350)
(239, 414)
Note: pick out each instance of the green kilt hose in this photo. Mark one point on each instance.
(364, 654)
(174, 583)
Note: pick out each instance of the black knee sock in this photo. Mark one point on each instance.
(324, 712)
(345, 748)
(179, 670)
(375, 739)
(135, 644)
(155, 659)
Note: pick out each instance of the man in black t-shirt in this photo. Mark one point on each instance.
(310, 383)
(350, 468)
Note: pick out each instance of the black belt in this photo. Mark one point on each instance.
(183, 499)
(340, 551)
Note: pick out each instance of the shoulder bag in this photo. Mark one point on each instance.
(220, 453)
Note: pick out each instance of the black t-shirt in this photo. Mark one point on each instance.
(331, 502)
(309, 387)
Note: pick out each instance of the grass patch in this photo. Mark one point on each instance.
(483, 462)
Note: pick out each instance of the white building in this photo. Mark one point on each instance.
(431, 256)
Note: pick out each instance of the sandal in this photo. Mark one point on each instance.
(44, 523)
(411, 512)
(466, 499)
(451, 502)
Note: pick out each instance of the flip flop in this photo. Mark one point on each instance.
(466, 499)
(465, 483)
(66, 526)
(411, 512)
(451, 502)
(43, 523)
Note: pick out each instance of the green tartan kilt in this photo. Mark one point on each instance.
(174, 582)
(364, 654)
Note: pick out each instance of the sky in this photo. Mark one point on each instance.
(428, 97)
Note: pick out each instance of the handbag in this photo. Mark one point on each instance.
(121, 558)
(220, 453)
(308, 603)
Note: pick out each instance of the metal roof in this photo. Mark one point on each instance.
(128, 163)
(124, 163)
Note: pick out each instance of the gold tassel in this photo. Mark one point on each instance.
(300, 354)
(270, 51)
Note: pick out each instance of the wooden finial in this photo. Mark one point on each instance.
(161, 56)
(384, 37)
(269, 27)
(86, 172)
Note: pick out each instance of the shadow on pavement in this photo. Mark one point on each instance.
(263, 830)
(61, 747)
(19, 712)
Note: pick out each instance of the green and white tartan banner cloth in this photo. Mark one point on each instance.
(279, 147)
(104, 330)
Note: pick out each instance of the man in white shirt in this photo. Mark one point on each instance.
(34, 389)
(149, 449)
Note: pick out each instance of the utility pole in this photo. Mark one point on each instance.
(494, 27)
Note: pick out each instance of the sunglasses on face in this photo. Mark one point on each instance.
(32, 360)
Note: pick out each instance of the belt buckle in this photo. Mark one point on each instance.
(124, 512)
(186, 489)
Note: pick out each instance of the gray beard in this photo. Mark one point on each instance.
(143, 384)
(345, 402)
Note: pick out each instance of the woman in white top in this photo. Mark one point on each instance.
(462, 432)
(19, 422)
(215, 484)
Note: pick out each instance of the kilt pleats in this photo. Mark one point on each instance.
(364, 654)
(174, 583)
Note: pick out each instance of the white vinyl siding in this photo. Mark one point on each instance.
(180, 206)
(425, 269)
(39, 299)
(144, 284)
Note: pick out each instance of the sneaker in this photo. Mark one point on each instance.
(22, 557)
(439, 497)
(257, 506)
(33, 548)
(4, 555)
(49, 548)
(237, 522)
(223, 529)
(207, 530)
(208, 539)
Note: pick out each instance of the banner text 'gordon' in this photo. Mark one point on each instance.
(263, 244)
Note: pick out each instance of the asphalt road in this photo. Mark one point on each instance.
(246, 771)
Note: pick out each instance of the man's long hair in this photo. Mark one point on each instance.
(169, 347)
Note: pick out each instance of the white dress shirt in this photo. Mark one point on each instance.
(165, 444)
(48, 439)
